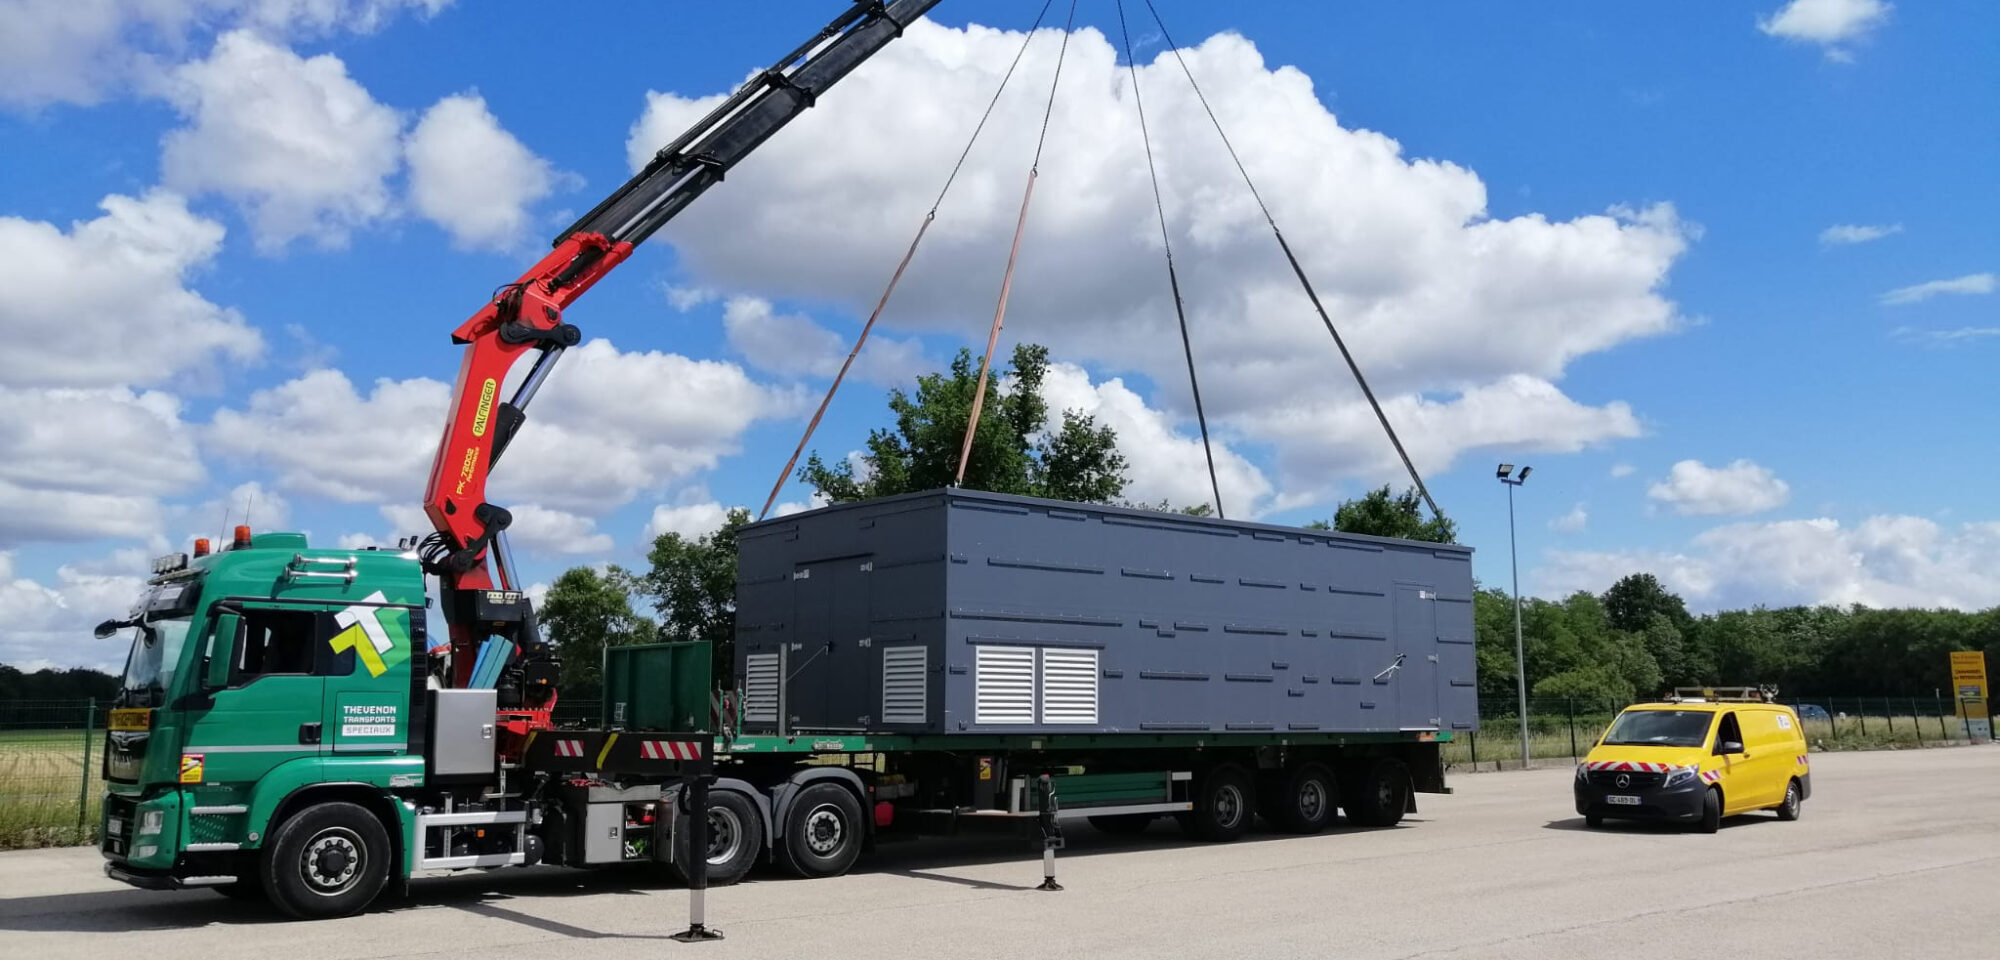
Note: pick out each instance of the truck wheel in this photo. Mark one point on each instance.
(1789, 810)
(822, 831)
(1124, 824)
(1375, 792)
(1305, 804)
(735, 838)
(1223, 805)
(328, 860)
(1711, 812)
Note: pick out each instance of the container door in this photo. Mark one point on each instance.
(1415, 678)
(833, 679)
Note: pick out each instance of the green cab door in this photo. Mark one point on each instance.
(268, 668)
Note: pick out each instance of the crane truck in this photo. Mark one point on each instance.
(295, 725)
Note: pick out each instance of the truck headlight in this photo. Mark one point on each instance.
(152, 821)
(1680, 776)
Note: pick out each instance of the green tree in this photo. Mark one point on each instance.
(692, 584)
(1011, 451)
(1379, 513)
(1632, 602)
(584, 612)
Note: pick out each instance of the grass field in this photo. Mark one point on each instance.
(42, 773)
(1500, 739)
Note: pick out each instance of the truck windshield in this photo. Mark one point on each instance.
(1659, 728)
(164, 618)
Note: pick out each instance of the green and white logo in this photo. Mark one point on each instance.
(380, 636)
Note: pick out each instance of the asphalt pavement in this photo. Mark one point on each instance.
(1897, 855)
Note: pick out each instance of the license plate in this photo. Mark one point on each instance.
(1622, 801)
(116, 827)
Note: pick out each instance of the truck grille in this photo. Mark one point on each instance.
(1609, 779)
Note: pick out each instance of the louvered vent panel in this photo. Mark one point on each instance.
(904, 684)
(760, 688)
(1004, 685)
(1069, 686)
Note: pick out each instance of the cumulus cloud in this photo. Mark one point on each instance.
(1619, 470)
(297, 143)
(1694, 488)
(1882, 561)
(1970, 284)
(1829, 23)
(88, 463)
(1437, 298)
(64, 51)
(48, 624)
(113, 280)
(472, 177)
(1575, 521)
(1844, 234)
(540, 529)
(691, 520)
(607, 426)
(792, 344)
(1163, 462)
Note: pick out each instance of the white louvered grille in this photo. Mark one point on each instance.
(1005, 685)
(1069, 686)
(760, 688)
(904, 684)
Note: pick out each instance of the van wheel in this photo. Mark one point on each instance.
(1789, 810)
(822, 831)
(735, 838)
(328, 860)
(1305, 804)
(1711, 811)
(1224, 804)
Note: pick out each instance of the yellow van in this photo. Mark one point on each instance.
(1696, 758)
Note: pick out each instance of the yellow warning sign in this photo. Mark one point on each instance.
(1968, 683)
(191, 767)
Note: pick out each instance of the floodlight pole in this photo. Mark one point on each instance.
(1520, 659)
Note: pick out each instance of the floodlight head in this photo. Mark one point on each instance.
(1505, 469)
(1524, 472)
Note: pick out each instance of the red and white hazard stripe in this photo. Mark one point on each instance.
(569, 748)
(1628, 766)
(670, 749)
(1802, 759)
(1712, 776)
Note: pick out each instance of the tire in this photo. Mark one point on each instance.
(1711, 812)
(1307, 801)
(1224, 805)
(1376, 792)
(1789, 809)
(1593, 821)
(1124, 824)
(328, 860)
(735, 838)
(822, 831)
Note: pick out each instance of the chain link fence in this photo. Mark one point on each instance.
(51, 765)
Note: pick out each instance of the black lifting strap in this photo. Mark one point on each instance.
(1173, 279)
(1296, 269)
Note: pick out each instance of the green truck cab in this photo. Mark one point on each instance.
(265, 681)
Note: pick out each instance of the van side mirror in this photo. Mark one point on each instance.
(1728, 747)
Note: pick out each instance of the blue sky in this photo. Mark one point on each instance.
(1653, 250)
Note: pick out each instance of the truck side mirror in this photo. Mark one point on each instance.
(106, 629)
(223, 642)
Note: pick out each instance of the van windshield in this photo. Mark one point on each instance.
(1659, 728)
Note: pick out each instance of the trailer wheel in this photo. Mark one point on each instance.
(822, 831)
(1375, 792)
(1307, 800)
(735, 838)
(328, 860)
(1224, 804)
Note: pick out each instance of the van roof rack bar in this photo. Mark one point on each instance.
(1757, 694)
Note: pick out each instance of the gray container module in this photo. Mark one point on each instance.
(961, 612)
